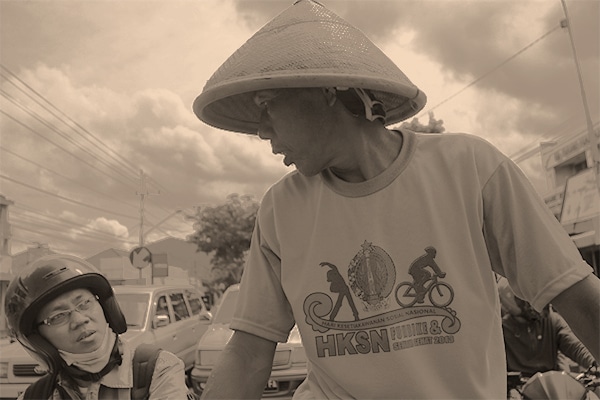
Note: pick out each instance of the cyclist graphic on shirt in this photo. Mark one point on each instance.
(421, 275)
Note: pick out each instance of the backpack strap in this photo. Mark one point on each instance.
(41, 389)
(144, 361)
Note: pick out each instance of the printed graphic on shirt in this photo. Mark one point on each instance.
(408, 314)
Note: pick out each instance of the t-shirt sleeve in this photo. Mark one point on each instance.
(263, 308)
(525, 241)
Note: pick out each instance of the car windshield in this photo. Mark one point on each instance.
(225, 311)
(134, 307)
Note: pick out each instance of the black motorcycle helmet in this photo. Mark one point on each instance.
(40, 282)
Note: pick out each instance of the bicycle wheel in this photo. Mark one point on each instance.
(406, 299)
(441, 294)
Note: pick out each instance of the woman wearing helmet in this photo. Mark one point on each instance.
(64, 312)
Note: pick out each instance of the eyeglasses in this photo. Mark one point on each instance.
(61, 318)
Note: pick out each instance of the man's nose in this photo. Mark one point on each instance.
(265, 129)
(77, 317)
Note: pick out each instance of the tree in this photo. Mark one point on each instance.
(434, 125)
(225, 231)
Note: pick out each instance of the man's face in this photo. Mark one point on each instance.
(76, 322)
(527, 310)
(298, 123)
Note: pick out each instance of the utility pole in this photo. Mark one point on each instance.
(162, 221)
(595, 158)
(143, 193)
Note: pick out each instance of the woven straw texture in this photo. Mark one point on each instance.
(305, 46)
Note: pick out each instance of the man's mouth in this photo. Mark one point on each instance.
(85, 335)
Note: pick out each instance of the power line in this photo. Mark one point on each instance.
(64, 177)
(32, 210)
(82, 131)
(14, 238)
(493, 69)
(62, 134)
(57, 228)
(156, 183)
(69, 222)
(60, 147)
(71, 180)
(55, 247)
(115, 161)
(24, 216)
(520, 154)
(525, 154)
(51, 224)
(65, 198)
(52, 234)
(29, 212)
(108, 150)
(54, 128)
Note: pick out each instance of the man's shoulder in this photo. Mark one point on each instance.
(448, 138)
(460, 146)
(294, 183)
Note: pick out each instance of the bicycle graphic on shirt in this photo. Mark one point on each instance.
(440, 294)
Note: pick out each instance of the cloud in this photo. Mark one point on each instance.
(110, 226)
(151, 129)
(127, 73)
(91, 156)
(479, 40)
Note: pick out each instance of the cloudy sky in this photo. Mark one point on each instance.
(93, 92)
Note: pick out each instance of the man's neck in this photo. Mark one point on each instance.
(372, 153)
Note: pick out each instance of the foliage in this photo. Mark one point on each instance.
(434, 125)
(225, 232)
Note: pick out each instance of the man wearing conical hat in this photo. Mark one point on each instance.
(368, 199)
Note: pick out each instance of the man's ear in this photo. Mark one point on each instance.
(330, 95)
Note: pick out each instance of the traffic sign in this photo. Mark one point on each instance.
(140, 257)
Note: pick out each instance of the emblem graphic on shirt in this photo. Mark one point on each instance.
(372, 275)
(411, 313)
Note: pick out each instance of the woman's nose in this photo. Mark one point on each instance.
(265, 129)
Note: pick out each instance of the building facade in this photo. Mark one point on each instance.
(574, 195)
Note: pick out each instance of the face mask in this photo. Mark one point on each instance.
(97, 359)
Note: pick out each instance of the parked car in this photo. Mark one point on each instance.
(172, 317)
(289, 363)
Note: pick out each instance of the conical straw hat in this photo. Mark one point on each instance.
(305, 46)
